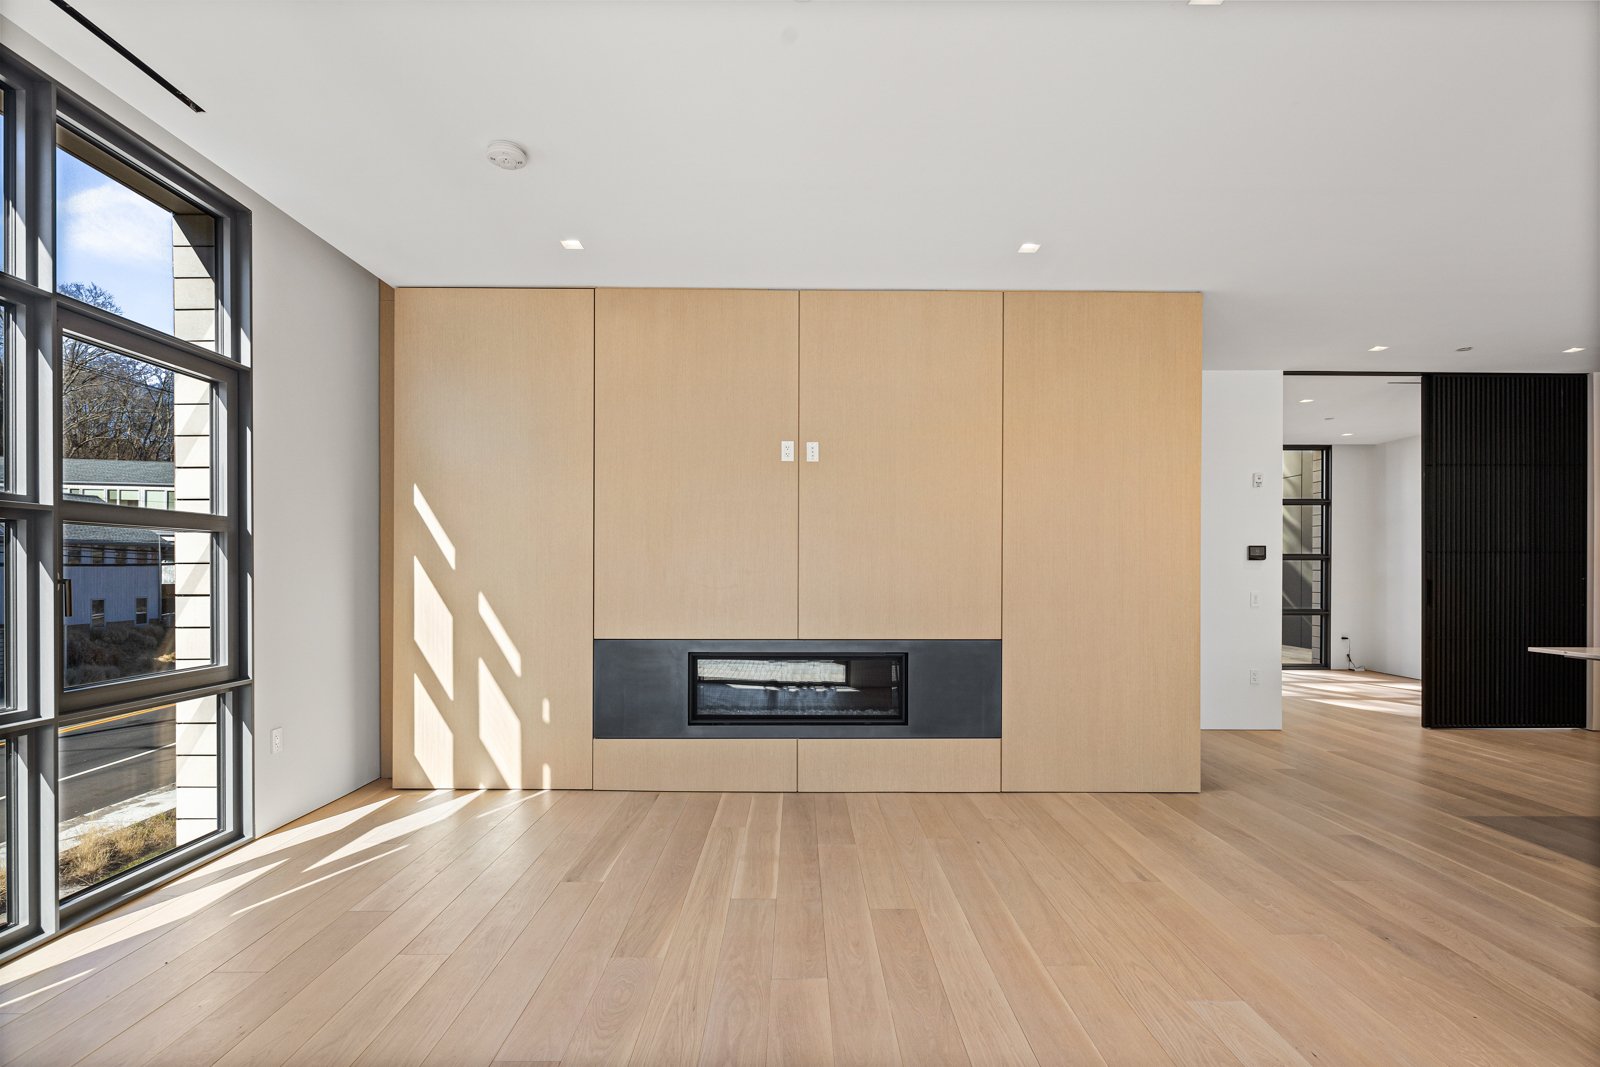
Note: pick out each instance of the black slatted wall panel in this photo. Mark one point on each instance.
(1504, 548)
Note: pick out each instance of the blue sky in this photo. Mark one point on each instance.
(111, 236)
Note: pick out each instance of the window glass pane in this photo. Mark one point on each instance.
(1302, 583)
(5, 340)
(1303, 475)
(5, 244)
(135, 786)
(110, 569)
(1302, 640)
(5, 833)
(5, 613)
(1302, 528)
(129, 245)
(132, 432)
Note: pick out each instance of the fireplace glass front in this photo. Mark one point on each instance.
(757, 689)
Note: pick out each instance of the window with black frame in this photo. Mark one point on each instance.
(122, 624)
(1305, 556)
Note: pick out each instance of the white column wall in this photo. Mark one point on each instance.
(1241, 436)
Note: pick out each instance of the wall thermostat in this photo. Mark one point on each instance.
(1255, 552)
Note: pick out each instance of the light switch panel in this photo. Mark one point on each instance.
(812, 452)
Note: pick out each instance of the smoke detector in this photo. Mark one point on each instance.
(507, 155)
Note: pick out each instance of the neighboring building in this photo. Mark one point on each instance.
(118, 573)
(130, 482)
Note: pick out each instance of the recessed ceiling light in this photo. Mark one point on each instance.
(1569, 351)
(1028, 248)
(1378, 348)
(1347, 435)
(572, 244)
(1205, 3)
(1466, 349)
(1308, 401)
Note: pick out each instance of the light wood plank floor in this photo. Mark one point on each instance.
(1349, 891)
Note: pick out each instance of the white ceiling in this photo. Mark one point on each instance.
(1332, 175)
(1371, 409)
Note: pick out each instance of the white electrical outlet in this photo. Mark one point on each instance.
(277, 738)
(1255, 676)
(786, 451)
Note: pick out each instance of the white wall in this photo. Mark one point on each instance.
(1401, 596)
(1376, 545)
(315, 447)
(1241, 436)
(1355, 540)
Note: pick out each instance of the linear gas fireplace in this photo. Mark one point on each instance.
(797, 688)
(685, 689)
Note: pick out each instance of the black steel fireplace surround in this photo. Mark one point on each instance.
(684, 689)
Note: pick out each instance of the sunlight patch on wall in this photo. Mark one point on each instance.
(499, 728)
(435, 527)
(433, 628)
(433, 744)
(497, 631)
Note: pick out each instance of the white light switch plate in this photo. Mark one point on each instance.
(277, 740)
(812, 452)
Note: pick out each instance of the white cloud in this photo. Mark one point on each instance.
(110, 223)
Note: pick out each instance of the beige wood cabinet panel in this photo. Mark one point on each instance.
(900, 765)
(900, 518)
(492, 574)
(1102, 541)
(710, 765)
(694, 509)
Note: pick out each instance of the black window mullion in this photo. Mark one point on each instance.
(1323, 612)
(32, 508)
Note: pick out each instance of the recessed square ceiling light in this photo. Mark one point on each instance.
(1347, 435)
(1028, 248)
(572, 244)
(1378, 348)
(1569, 351)
(1308, 401)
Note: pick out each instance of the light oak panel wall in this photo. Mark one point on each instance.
(1102, 541)
(900, 521)
(694, 510)
(900, 765)
(493, 475)
(713, 765)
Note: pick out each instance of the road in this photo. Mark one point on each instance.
(112, 760)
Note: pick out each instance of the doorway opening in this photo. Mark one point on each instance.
(1352, 530)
